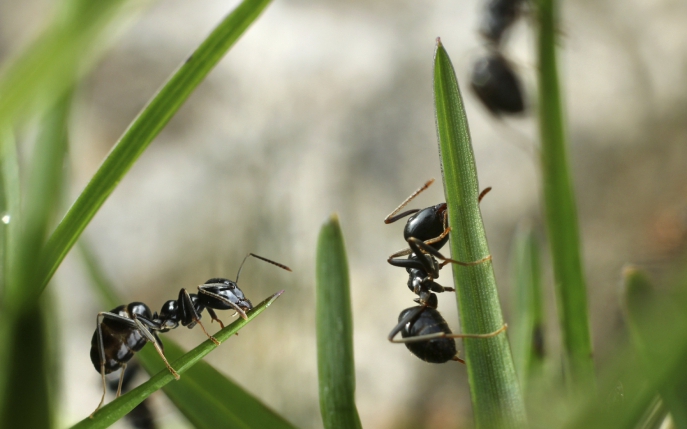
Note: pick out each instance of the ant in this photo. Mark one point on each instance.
(427, 335)
(493, 79)
(126, 329)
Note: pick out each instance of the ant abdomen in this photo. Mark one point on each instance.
(429, 321)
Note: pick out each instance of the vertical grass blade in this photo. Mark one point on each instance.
(26, 344)
(496, 398)
(527, 333)
(335, 363)
(561, 215)
(142, 131)
(640, 297)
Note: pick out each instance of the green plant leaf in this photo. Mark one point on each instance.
(527, 333)
(142, 131)
(208, 399)
(116, 409)
(496, 398)
(335, 364)
(27, 354)
(561, 214)
(45, 71)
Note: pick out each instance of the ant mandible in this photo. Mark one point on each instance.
(124, 330)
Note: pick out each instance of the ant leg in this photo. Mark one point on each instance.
(101, 352)
(419, 247)
(410, 316)
(194, 314)
(153, 339)
(214, 317)
(484, 192)
(393, 217)
(121, 379)
(445, 335)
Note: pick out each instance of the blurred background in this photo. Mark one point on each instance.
(327, 107)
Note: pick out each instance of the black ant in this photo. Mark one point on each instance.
(427, 335)
(424, 331)
(493, 78)
(126, 329)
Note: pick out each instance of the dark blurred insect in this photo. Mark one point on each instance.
(497, 85)
(427, 335)
(141, 417)
(126, 329)
(499, 16)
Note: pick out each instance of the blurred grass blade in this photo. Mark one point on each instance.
(561, 215)
(335, 364)
(210, 400)
(27, 350)
(116, 409)
(640, 296)
(496, 398)
(53, 62)
(527, 333)
(144, 128)
(206, 397)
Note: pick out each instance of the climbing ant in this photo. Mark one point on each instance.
(126, 329)
(427, 335)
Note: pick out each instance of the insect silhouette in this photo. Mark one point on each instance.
(124, 330)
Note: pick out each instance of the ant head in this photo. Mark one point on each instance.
(227, 289)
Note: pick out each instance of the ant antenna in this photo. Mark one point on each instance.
(391, 218)
(264, 259)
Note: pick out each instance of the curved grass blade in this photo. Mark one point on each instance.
(335, 364)
(209, 400)
(561, 214)
(54, 61)
(496, 398)
(142, 131)
(116, 409)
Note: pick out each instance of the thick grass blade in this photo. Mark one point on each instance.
(640, 296)
(210, 400)
(116, 409)
(205, 396)
(561, 214)
(496, 398)
(527, 333)
(335, 364)
(144, 129)
(27, 353)
(48, 67)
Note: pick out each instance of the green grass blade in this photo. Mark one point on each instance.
(53, 62)
(561, 215)
(144, 128)
(210, 400)
(496, 398)
(27, 353)
(335, 364)
(116, 409)
(639, 298)
(527, 333)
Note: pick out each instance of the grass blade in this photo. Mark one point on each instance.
(116, 409)
(335, 364)
(53, 62)
(210, 400)
(27, 352)
(527, 334)
(496, 398)
(144, 128)
(561, 215)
